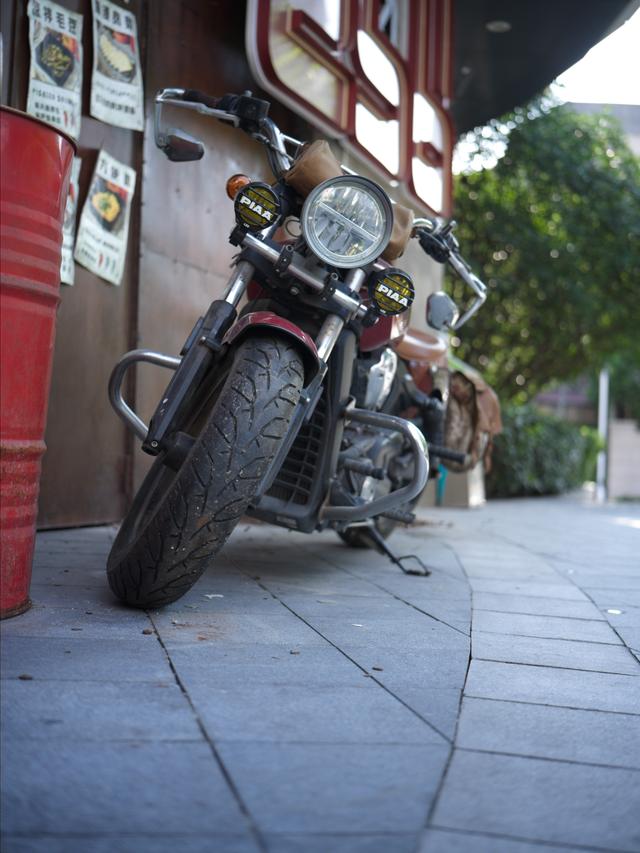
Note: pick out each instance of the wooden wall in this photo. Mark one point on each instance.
(87, 468)
(178, 257)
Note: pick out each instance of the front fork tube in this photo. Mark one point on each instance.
(333, 323)
(198, 355)
(238, 282)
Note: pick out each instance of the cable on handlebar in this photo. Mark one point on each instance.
(198, 97)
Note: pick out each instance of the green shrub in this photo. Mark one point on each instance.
(538, 454)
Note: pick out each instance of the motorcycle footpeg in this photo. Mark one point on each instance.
(445, 453)
(399, 515)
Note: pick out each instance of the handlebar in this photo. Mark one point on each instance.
(244, 111)
(197, 97)
(251, 115)
(438, 242)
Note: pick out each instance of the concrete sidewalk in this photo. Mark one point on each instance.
(308, 697)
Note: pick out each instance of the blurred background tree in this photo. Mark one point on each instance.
(549, 215)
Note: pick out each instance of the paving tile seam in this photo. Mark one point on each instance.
(315, 742)
(455, 748)
(156, 682)
(530, 757)
(540, 615)
(524, 594)
(558, 558)
(443, 778)
(252, 826)
(539, 637)
(569, 579)
(74, 738)
(555, 666)
(613, 628)
(355, 663)
(551, 705)
(394, 595)
(608, 589)
(365, 833)
(225, 836)
(539, 842)
(148, 833)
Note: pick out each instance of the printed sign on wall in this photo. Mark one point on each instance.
(116, 83)
(67, 267)
(55, 77)
(104, 224)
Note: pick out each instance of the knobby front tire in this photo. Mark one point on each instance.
(180, 520)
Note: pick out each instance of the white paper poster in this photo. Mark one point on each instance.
(103, 234)
(55, 78)
(67, 267)
(116, 83)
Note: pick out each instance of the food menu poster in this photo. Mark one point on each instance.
(67, 267)
(55, 77)
(101, 245)
(116, 82)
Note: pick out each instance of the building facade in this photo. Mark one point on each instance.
(380, 78)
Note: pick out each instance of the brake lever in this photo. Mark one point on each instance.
(462, 268)
(175, 97)
(441, 245)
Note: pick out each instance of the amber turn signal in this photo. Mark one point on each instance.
(235, 184)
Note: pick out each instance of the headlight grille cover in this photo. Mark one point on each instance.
(347, 221)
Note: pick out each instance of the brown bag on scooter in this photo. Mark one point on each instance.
(472, 419)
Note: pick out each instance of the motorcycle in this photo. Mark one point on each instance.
(280, 409)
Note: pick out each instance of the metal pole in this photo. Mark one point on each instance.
(603, 432)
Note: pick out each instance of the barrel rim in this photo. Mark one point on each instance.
(44, 124)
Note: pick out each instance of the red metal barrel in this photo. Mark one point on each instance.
(35, 165)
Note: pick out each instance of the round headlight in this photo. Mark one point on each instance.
(347, 221)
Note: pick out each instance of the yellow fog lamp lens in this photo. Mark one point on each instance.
(391, 291)
(257, 206)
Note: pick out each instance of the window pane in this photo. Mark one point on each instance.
(428, 183)
(426, 123)
(380, 138)
(378, 68)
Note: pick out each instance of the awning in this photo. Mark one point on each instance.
(527, 44)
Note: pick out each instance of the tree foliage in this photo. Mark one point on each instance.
(538, 454)
(554, 229)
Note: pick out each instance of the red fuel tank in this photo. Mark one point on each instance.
(35, 166)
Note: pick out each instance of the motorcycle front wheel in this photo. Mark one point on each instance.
(180, 519)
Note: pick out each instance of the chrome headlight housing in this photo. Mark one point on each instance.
(347, 221)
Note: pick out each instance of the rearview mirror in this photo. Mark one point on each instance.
(442, 311)
(180, 147)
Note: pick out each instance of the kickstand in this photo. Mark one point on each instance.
(378, 540)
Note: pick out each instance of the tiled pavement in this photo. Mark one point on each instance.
(307, 697)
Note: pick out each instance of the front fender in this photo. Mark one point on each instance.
(258, 321)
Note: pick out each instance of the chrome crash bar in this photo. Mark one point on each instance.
(122, 408)
(418, 444)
